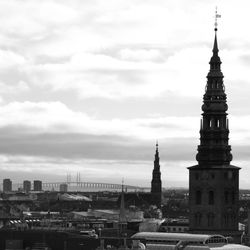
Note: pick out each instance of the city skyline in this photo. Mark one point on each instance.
(89, 86)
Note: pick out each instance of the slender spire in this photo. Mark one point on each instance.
(122, 216)
(157, 155)
(215, 61)
(215, 48)
(156, 179)
(157, 151)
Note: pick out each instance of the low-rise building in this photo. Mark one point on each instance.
(175, 226)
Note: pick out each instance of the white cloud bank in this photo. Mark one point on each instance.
(61, 61)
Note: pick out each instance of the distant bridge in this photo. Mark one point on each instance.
(84, 186)
(90, 185)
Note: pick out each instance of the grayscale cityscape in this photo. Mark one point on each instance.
(124, 125)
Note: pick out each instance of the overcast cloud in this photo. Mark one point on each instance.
(89, 86)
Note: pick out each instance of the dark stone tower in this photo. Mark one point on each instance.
(156, 180)
(214, 183)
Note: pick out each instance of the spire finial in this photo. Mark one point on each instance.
(215, 48)
(216, 17)
(157, 146)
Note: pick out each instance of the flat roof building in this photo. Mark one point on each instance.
(26, 186)
(63, 187)
(37, 185)
(7, 185)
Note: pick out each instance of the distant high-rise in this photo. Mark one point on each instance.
(156, 189)
(26, 186)
(37, 185)
(7, 185)
(214, 183)
(63, 187)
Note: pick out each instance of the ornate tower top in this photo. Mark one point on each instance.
(214, 149)
(215, 61)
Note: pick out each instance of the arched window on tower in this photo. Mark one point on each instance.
(233, 197)
(210, 220)
(226, 197)
(210, 123)
(198, 218)
(233, 219)
(211, 197)
(226, 220)
(221, 123)
(234, 175)
(197, 176)
(198, 197)
(217, 123)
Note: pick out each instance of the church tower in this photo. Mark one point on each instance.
(156, 181)
(214, 182)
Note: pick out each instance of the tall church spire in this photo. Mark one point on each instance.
(214, 182)
(156, 187)
(214, 148)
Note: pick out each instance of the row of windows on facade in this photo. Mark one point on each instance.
(175, 229)
(229, 175)
(229, 197)
(228, 219)
(172, 242)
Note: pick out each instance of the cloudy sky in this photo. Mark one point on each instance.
(89, 86)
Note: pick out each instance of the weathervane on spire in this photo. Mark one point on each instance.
(216, 16)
